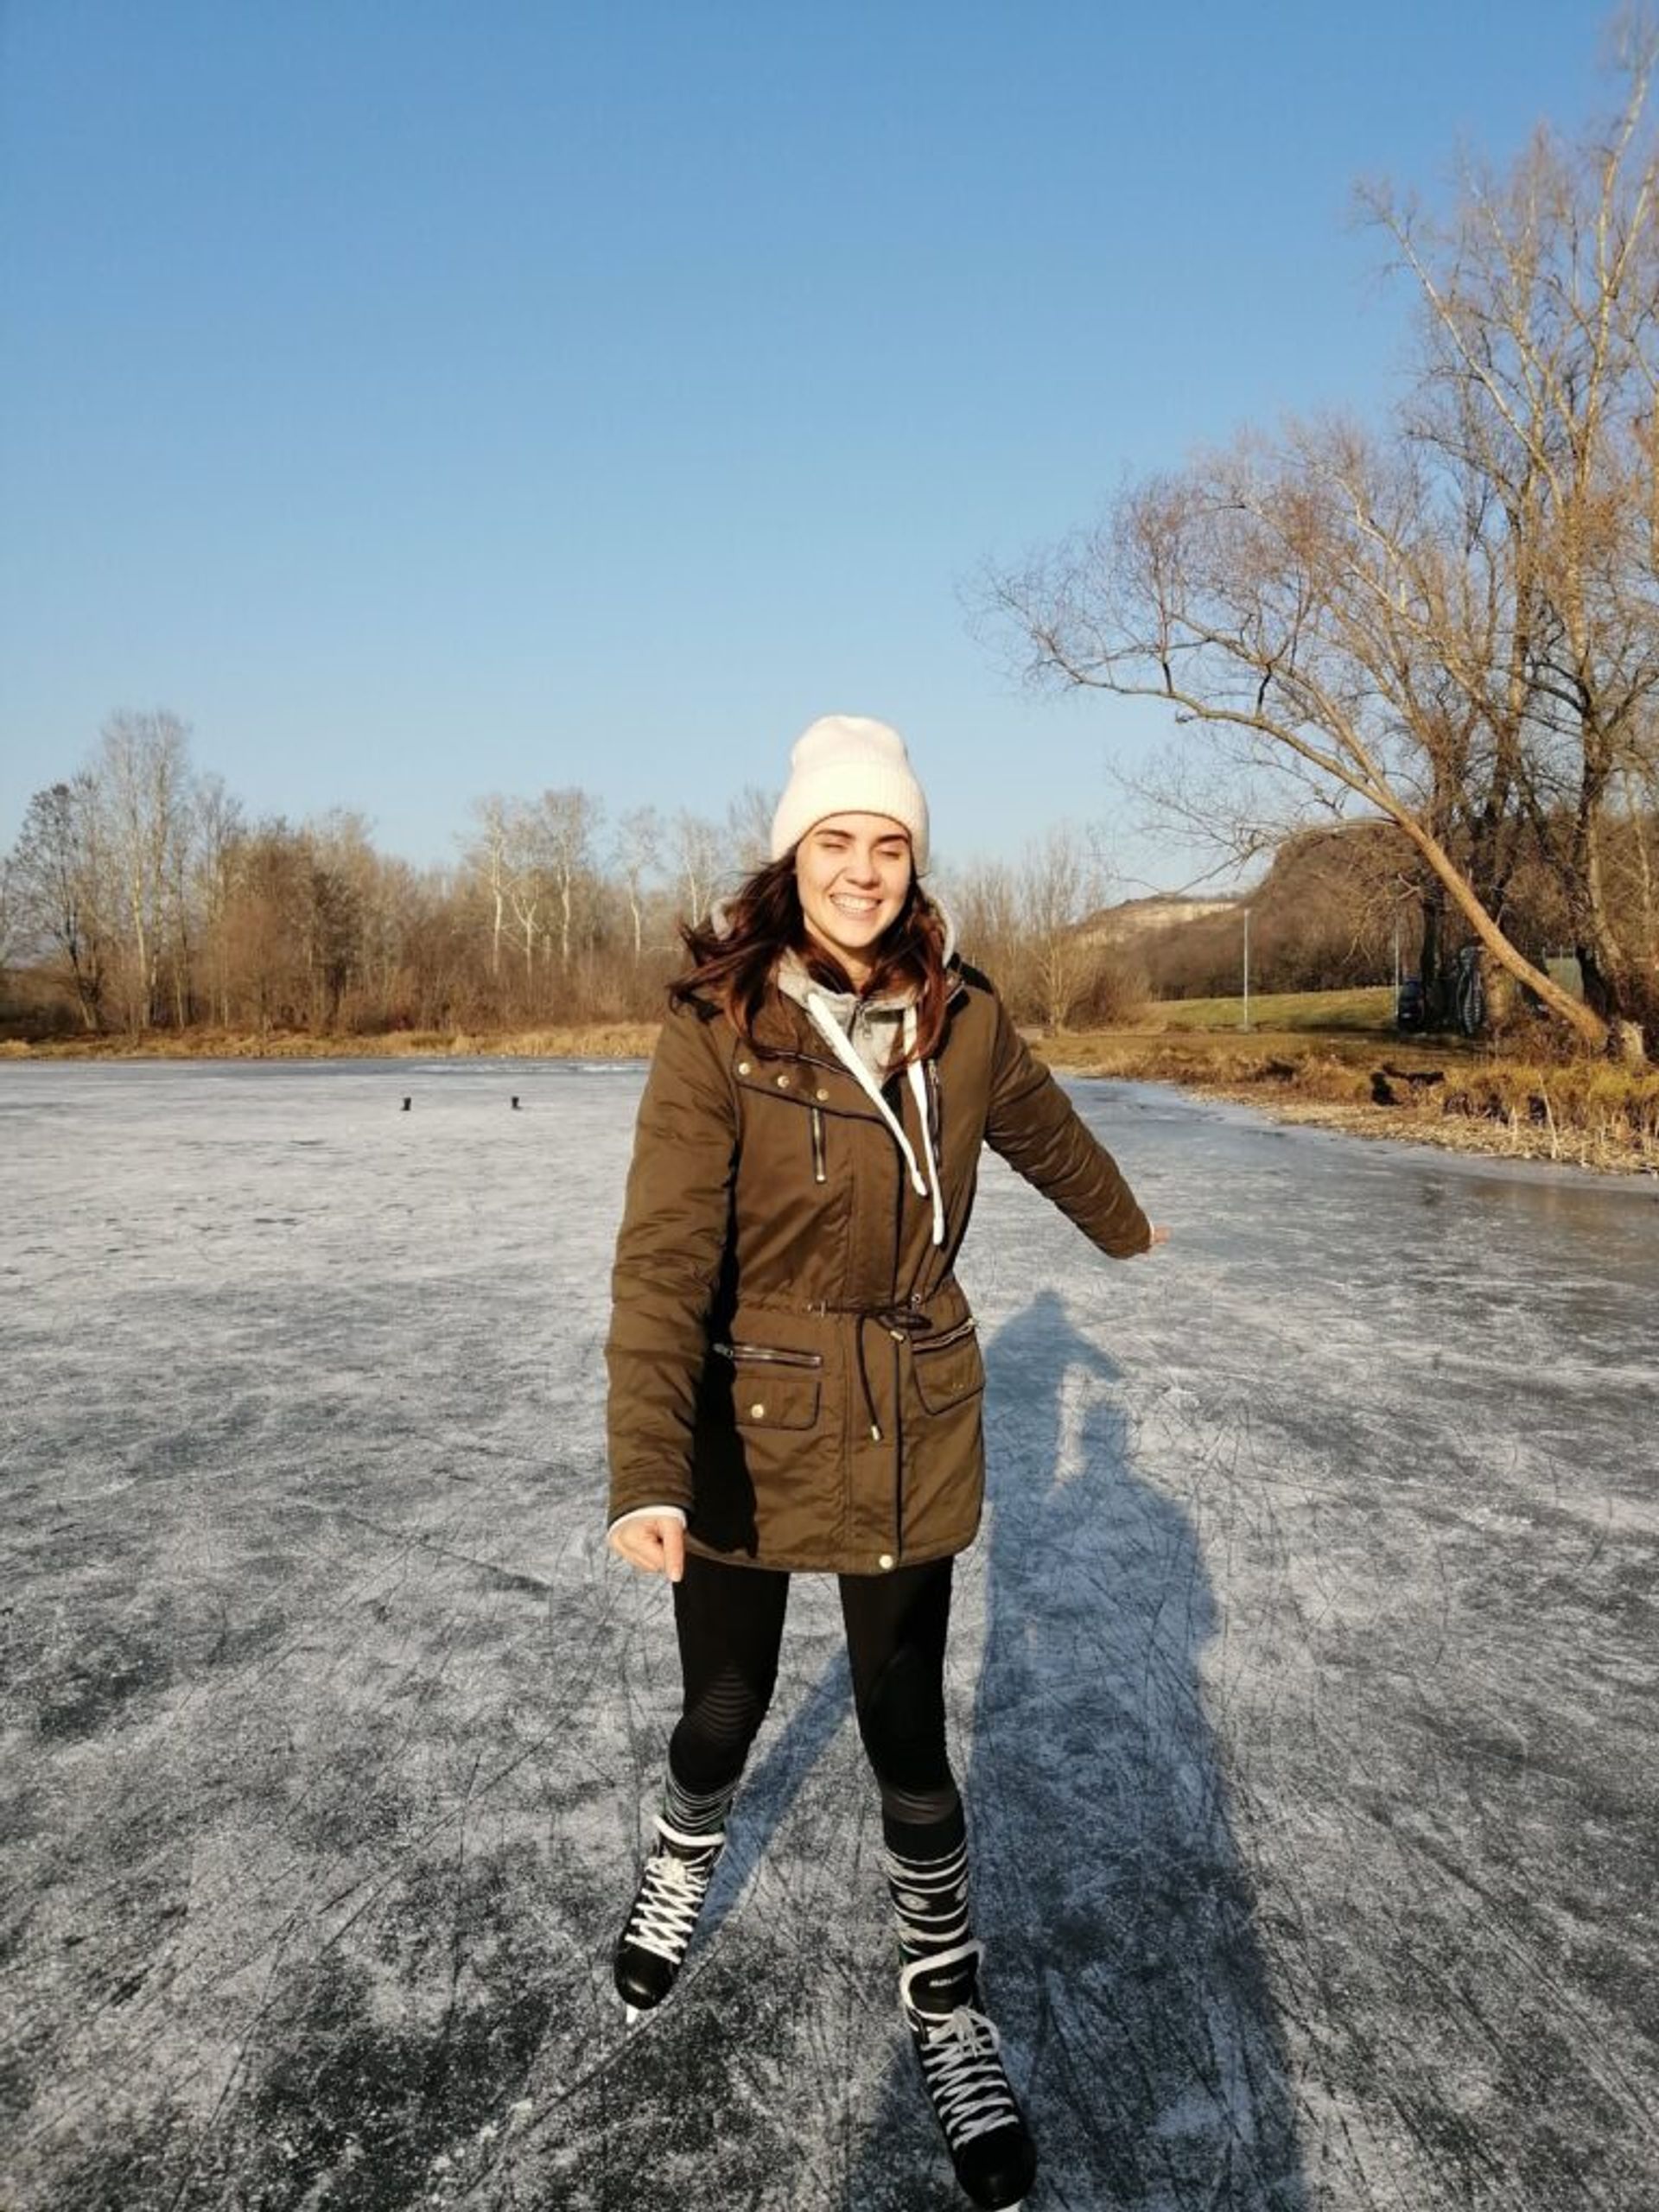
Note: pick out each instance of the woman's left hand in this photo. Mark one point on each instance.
(655, 1542)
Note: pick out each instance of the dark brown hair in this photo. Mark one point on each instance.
(734, 965)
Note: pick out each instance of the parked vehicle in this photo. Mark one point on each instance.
(1410, 1005)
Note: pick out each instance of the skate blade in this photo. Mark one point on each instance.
(633, 2013)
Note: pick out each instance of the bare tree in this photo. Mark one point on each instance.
(637, 858)
(1453, 626)
(983, 900)
(1061, 880)
(143, 778)
(748, 823)
(1262, 599)
(60, 886)
(261, 934)
(487, 852)
(1638, 860)
(697, 847)
(527, 889)
(10, 910)
(1540, 310)
(218, 831)
(562, 827)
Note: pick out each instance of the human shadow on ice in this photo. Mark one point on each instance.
(1121, 1961)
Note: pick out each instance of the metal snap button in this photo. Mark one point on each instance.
(885, 1562)
(757, 1412)
(743, 1067)
(783, 1082)
(822, 1095)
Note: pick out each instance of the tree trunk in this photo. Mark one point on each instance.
(1433, 967)
(1583, 1019)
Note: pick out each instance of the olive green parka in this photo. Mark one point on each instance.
(791, 1359)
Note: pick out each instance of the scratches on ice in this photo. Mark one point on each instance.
(1303, 1684)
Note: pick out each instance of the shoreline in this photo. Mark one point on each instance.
(1303, 1079)
(1462, 1134)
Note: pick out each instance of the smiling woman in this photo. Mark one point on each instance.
(851, 873)
(796, 1380)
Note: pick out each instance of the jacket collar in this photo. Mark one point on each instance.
(783, 1024)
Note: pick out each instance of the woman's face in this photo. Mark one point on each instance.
(852, 872)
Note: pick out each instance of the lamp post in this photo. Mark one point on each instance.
(1245, 1023)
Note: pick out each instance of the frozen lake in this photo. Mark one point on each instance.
(1303, 1683)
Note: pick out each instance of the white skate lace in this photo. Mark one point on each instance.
(671, 1892)
(961, 2065)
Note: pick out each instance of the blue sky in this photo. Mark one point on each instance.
(428, 400)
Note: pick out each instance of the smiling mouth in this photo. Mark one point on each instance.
(854, 907)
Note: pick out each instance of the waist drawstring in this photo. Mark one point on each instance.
(898, 1321)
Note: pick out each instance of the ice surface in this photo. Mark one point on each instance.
(1302, 1682)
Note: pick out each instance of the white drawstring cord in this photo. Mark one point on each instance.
(919, 1091)
(847, 1053)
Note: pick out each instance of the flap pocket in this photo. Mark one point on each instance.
(949, 1368)
(766, 1397)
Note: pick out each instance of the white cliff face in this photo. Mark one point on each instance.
(1302, 1682)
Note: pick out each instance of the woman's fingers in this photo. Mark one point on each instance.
(640, 1543)
(657, 1546)
(673, 1550)
(1160, 1234)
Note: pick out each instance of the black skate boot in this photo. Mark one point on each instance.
(653, 1945)
(960, 2051)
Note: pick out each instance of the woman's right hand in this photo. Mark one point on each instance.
(656, 1542)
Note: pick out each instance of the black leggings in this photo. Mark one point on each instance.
(730, 1621)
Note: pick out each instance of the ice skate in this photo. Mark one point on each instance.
(960, 2053)
(653, 1945)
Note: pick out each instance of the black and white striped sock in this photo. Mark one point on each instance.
(929, 1900)
(693, 1812)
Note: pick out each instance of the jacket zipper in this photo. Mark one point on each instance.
(773, 1352)
(819, 1174)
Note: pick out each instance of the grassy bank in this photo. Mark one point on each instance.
(1585, 1112)
(1369, 1010)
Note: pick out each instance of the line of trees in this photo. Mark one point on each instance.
(139, 896)
(1449, 620)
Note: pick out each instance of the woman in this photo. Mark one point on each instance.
(795, 1381)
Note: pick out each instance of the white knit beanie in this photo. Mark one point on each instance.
(846, 764)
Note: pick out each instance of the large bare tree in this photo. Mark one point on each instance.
(1451, 622)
